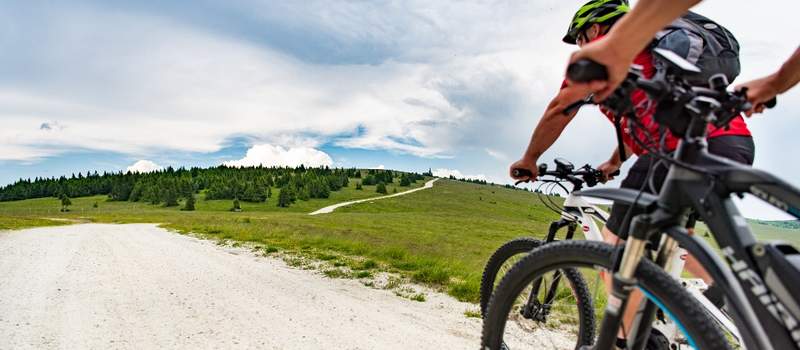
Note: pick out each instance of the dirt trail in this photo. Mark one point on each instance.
(98, 286)
(331, 208)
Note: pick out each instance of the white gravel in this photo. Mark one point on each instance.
(97, 286)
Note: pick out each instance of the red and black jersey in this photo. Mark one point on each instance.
(650, 132)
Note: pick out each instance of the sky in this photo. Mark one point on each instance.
(456, 87)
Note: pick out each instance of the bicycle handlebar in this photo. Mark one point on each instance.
(585, 174)
(731, 104)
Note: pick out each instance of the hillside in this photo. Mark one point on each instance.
(440, 236)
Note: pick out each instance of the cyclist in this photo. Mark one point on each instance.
(591, 22)
(635, 31)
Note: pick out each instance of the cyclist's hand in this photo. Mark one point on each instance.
(759, 91)
(608, 168)
(616, 62)
(526, 164)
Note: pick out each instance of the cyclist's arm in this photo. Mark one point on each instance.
(551, 125)
(628, 37)
(615, 159)
(764, 89)
(613, 163)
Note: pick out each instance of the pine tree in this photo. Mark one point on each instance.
(404, 181)
(358, 186)
(381, 188)
(65, 202)
(236, 206)
(189, 205)
(170, 197)
(284, 198)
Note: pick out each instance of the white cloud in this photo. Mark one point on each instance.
(442, 172)
(143, 166)
(381, 167)
(497, 154)
(269, 155)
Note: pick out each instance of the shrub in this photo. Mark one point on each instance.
(381, 188)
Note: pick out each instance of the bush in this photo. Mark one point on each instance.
(236, 206)
(189, 205)
(381, 188)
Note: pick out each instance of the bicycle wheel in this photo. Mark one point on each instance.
(588, 256)
(572, 301)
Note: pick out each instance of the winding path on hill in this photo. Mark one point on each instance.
(331, 208)
(137, 286)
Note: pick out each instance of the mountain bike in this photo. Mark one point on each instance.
(759, 283)
(534, 306)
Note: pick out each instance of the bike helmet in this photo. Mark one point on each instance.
(595, 11)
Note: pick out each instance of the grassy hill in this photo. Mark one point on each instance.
(441, 236)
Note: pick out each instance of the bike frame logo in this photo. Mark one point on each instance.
(769, 198)
(773, 305)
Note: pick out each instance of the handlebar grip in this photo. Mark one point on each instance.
(519, 172)
(586, 70)
(771, 103)
(615, 173)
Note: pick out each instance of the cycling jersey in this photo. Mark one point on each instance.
(649, 132)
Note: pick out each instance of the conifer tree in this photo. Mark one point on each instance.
(236, 206)
(189, 205)
(381, 188)
(65, 202)
(284, 198)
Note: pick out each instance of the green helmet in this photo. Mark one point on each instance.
(595, 11)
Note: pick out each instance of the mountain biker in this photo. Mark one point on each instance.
(635, 31)
(590, 23)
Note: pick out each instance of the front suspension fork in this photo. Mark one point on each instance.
(624, 282)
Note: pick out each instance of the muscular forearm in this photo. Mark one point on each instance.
(548, 130)
(789, 73)
(615, 157)
(636, 29)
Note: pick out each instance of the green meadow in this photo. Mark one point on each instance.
(440, 237)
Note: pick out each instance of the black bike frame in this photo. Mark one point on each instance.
(765, 313)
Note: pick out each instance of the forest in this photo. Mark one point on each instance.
(168, 186)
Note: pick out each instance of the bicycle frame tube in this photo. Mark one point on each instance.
(764, 322)
(587, 215)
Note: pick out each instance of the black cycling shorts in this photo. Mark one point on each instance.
(737, 148)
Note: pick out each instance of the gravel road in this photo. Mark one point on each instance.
(98, 286)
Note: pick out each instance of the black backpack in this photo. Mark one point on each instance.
(704, 43)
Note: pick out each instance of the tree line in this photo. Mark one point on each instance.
(168, 186)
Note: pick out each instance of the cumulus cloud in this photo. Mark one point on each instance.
(271, 155)
(143, 166)
(442, 172)
(381, 167)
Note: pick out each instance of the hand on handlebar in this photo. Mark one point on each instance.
(761, 93)
(609, 169)
(616, 64)
(524, 170)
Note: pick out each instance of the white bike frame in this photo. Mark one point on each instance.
(590, 218)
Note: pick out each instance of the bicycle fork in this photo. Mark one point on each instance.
(623, 283)
(533, 309)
